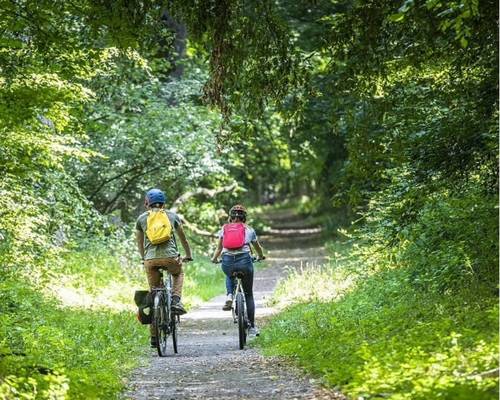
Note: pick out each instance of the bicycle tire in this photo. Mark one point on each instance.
(241, 320)
(161, 325)
(173, 331)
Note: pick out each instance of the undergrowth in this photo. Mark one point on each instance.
(50, 351)
(376, 335)
(76, 335)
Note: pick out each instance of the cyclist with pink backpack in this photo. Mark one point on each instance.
(235, 239)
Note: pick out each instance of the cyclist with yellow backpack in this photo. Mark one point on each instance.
(155, 236)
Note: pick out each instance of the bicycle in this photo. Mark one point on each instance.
(164, 321)
(239, 304)
(239, 310)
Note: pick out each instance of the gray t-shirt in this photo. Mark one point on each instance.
(250, 236)
(167, 249)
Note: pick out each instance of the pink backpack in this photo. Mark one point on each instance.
(234, 236)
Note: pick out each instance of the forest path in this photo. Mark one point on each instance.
(209, 364)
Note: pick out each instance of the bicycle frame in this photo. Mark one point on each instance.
(237, 289)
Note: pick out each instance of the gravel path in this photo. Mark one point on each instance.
(209, 364)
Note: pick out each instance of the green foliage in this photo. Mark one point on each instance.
(250, 51)
(259, 158)
(147, 133)
(325, 282)
(447, 240)
(384, 113)
(77, 336)
(32, 227)
(381, 95)
(382, 337)
(55, 351)
(50, 53)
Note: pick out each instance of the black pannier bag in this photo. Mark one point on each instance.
(144, 303)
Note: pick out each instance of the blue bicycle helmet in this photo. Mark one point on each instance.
(155, 196)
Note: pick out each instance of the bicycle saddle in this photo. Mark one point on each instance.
(238, 274)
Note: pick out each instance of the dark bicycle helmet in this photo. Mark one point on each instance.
(155, 196)
(238, 211)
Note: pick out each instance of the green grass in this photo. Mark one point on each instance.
(203, 280)
(52, 351)
(378, 337)
(77, 336)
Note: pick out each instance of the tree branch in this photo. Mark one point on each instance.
(195, 229)
(201, 191)
(109, 206)
(101, 185)
(492, 373)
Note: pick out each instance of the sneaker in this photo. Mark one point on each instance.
(253, 331)
(153, 342)
(229, 303)
(177, 307)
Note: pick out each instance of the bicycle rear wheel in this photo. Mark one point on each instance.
(161, 324)
(242, 334)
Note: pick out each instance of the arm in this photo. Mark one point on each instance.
(218, 251)
(184, 242)
(258, 248)
(139, 238)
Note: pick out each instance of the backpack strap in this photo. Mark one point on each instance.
(173, 234)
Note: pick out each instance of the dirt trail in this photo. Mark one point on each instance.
(209, 364)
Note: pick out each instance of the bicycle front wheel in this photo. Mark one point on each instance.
(240, 308)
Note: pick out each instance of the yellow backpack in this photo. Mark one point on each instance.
(158, 227)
